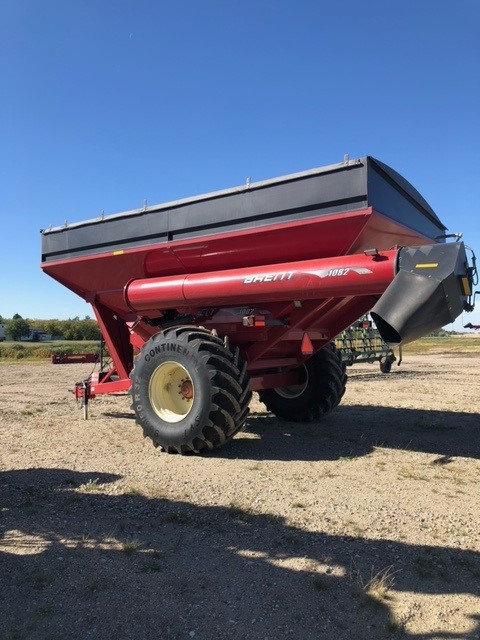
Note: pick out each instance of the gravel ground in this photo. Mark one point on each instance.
(363, 526)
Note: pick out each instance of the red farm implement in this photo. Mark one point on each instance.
(75, 358)
(203, 300)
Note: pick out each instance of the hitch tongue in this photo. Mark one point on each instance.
(432, 287)
(82, 392)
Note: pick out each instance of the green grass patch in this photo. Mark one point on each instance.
(14, 351)
(458, 344)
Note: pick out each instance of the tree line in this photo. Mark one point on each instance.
(17, 328)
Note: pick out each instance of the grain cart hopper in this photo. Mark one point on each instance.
(203, 300)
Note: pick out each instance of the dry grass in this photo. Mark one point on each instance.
(376, 587)
(467, 345)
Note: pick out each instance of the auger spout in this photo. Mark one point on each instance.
(430, 290)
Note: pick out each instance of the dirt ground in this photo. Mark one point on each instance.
(363, 526)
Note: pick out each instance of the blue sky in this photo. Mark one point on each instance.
(108, 103)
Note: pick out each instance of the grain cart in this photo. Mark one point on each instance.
(203, 300)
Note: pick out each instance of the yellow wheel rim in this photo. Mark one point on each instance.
(171, 392)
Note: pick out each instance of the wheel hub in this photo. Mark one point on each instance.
(186, 389)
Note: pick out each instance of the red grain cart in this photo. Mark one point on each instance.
(203, 300)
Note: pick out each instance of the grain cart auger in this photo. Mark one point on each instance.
(203, 300)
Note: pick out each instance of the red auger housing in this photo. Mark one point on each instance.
(203, 300)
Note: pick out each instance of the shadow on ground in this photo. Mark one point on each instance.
(354, 430)
(80, 563)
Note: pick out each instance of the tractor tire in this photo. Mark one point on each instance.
(386, 364)
(190, 392)
(321, 391)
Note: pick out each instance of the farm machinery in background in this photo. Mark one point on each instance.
(203, 300)
(362, 342)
